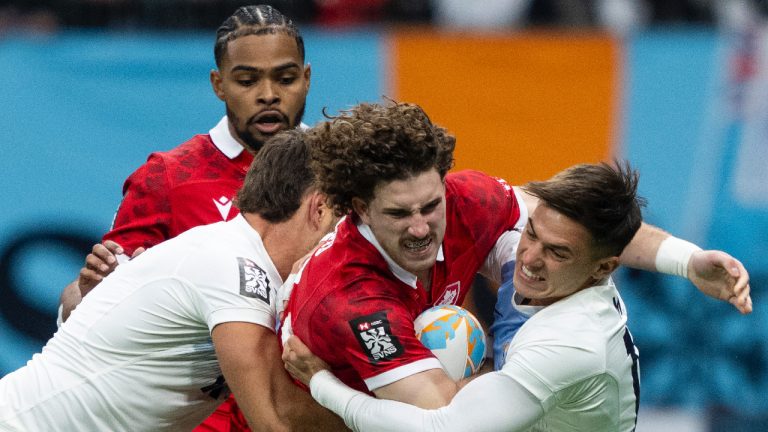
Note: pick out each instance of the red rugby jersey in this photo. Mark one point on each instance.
(190, 185)
(357, 315)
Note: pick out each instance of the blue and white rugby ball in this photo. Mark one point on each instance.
(455, 337)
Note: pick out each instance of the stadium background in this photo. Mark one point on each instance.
(82, 107)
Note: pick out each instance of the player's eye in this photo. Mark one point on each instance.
(246, 79)
(287, 79)
(398, 215)
(429, 208)
(558, 255)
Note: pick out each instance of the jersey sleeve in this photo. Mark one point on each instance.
(373, 334)
(144, 216)
(491, 403)
(232, 288)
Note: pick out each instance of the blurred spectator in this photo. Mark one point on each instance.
(335, 13)
(136, 14)
(409, 11)
(490, 14)
(683, 11)
(620, 16)
(35, 17)
(735, 15)
(349, 12)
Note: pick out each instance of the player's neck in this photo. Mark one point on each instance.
(425, 278)
(283, 241)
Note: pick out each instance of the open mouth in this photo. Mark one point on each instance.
(270, 122)
(529, 274)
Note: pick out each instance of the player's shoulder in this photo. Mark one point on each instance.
(183, 162)
(477, 185)
(480, 201)
(198, 147)
(204, 241)
(215, 247)
(469, 178)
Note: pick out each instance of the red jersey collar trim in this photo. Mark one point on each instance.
(404, 275)
(224, 141)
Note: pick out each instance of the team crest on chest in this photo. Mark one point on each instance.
(450, 295)
(374, 334)
(254, 282)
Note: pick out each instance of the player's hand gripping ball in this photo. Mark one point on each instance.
(455, 337)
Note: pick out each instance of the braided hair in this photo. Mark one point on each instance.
(254, 20)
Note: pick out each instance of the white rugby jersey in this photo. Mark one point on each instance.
(571, 367)
(577, 358)
(136, 354)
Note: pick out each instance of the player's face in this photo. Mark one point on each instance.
(554, 257)
(408, 219)
(264, 86)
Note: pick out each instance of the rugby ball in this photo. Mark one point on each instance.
(454, 336)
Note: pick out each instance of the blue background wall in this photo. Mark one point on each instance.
(684, 117)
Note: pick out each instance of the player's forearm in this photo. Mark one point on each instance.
(70, 298)
(249, 356)
(640, 253)
(653, 249)
(491, 403)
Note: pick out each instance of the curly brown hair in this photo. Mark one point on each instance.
(369, 144)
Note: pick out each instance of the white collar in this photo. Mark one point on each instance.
(530, 311)
(224, 141)
(404, 275)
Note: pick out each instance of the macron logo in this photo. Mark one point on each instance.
(223, 204)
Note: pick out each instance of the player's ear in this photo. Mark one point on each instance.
(605, 267)
(317, 209)
(361, 208)
(307, 76)
(216, 83)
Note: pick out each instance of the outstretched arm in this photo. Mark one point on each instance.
(715, 273)
(493, 402)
